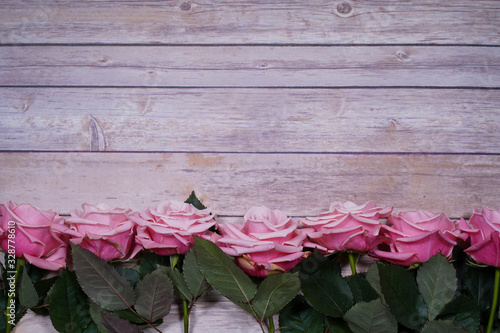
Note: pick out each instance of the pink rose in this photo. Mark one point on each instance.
(483, 228)
(415, 237)
(345, 227)
(169, 229)
(268, 242)
(105, 231)
(36, 236)
(368, 209)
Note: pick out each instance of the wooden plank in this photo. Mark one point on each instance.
(261, 66)
(221, 317)
(250, 120)
(298, 184)
(253, 21)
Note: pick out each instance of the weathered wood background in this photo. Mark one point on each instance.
(292, 104)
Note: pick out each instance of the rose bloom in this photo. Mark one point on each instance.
(345, 227)
(36, 237)
(267, 243)
(415, 237)
(368, 209)
(105, 231)
(169, 229)
(483, 228)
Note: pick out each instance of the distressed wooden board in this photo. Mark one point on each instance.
(243, 66)
(291, 21)
(222, 316)
(298, 184)
(250, 120)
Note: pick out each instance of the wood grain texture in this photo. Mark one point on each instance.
(254, 21)
(298, 184)
(260, 66)
(367, 117)
(221, 317)
(250, 120)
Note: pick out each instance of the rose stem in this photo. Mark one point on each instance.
(271, 325)
(352, 261)
(495, 300)
(19, 263)
(186, 315)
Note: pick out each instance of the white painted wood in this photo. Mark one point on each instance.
(298, 184)
(246, 120)
(258, 66)
(253, 21)
(273, 146)
(221, 316)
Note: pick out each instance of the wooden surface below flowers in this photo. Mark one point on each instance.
(201, 318)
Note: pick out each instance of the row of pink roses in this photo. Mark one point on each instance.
(267, 242)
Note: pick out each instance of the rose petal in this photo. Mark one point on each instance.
(402, 259)
(488, 251)
(46, 264)
(479, 221)
(425, 245)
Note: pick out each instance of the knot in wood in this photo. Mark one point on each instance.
(185, 6)
(344, 8)
(102, 61)
(402, 56)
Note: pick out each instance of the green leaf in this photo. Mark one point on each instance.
(95, 313)
(2, 270)
(373, 278)
(336, 325)
(101, 282)
(129, 315)
(480, 283)
(222, 273)
(27, 293)
(361, 289)
(274, 293)
(155, 295)
(3, 302)
(69, 311)
(325, 289)
(437, 283)
(372, 317)
(115, 324)
(442, 326)
(195, 281)
(180, 283)
(131, 275)
(462, 311)
(92, 328)
(193, 200)
(401, 295)
(35, 273)
(301, 318)
(150, 261)
(43, 288)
